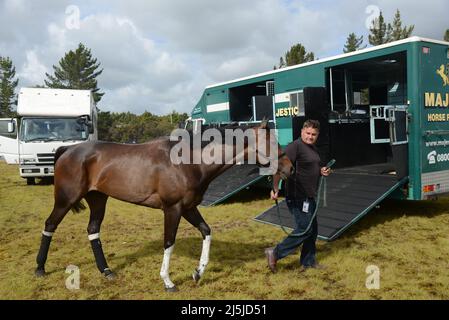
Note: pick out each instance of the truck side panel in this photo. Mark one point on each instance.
(434, 102)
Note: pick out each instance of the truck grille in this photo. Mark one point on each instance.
(47, 158)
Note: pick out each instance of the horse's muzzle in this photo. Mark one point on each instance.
(285, 175)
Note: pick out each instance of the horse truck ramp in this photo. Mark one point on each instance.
(347, 196)
(230, 182)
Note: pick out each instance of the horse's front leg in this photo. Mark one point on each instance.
(194, 217)
(172, 216)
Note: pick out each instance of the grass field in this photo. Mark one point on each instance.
(407, 241)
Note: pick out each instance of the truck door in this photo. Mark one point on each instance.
(389, 124)
(398, 125)
(262, 108)
(9, 146)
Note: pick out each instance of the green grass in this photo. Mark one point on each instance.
(408, 241)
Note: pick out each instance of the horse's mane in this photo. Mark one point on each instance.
(221, 128)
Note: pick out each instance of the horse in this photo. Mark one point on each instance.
(143, 174)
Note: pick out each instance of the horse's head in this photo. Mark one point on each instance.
(269, 152)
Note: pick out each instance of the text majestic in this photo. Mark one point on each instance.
(435, 99)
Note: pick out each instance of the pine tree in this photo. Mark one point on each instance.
(446, 35)
(378, 31)
(381, 32)
(296, 55)
(8, 84)
(397, 32)
(353, 43)
(281, 62)
(76, 70)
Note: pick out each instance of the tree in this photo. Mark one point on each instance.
(76, 70)
(281, 62)
(396, 31)
(130, 128)
(446, 35)
(353, 43)
(378, 31)
(382, 33)
(105, 125)
(8, 84)
(296, 55)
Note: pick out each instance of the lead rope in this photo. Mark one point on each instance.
(322, 178)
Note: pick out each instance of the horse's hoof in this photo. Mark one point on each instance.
(196, 276)
(109, 275)
(172, 289)
(39, 273)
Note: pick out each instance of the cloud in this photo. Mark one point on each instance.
(32, 71)
(160, 55)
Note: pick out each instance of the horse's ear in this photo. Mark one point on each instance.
(264, 123)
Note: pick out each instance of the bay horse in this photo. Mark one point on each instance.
(142, 174)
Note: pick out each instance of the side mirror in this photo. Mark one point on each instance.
(87, 122)
(11, 127)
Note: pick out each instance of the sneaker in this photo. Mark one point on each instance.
(271, 259)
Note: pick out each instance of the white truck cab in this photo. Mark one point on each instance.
(48, 119)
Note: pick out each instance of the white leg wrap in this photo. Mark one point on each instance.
(165, 266)
(93, 236)
(48, 234)
(204, 260)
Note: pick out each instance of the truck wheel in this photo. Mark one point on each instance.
(31, 182)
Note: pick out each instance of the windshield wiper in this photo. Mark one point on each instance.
(40, 139)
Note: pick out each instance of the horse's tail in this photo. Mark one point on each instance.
(59, 152)
(78, 206)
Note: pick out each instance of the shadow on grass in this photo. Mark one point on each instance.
(226, 255)
(227, 252)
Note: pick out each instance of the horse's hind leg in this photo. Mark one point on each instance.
(97, 205)
(194, 217)
(172, 216)
(60, 209)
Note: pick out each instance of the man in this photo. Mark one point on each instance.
(301, 193)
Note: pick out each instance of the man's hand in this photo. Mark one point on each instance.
(275, 191)
(325, 171)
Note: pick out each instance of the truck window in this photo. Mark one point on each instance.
(41, 129)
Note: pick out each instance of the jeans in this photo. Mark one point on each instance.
(308, 239)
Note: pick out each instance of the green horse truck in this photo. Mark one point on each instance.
(384, 114)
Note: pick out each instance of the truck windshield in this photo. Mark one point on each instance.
(40, 129)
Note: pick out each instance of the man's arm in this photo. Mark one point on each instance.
(275, 190)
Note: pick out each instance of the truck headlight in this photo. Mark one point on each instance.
(28, 160)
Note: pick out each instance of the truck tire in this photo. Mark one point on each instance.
(31, 181)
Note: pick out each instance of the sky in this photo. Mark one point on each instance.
(159, 55)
